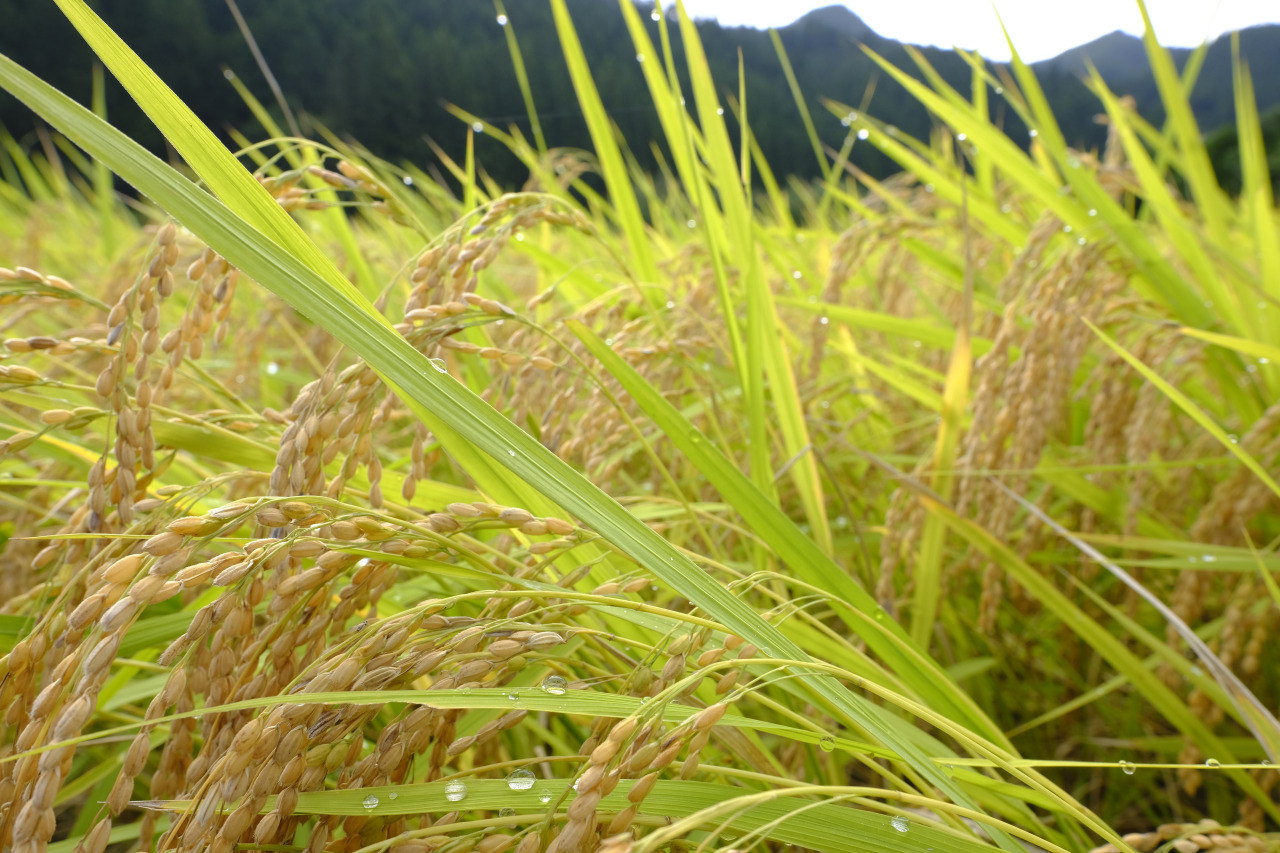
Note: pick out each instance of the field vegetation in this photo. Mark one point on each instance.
(347, 510)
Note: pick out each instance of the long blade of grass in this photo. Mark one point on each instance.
(955, 396)
(781, 816)
(1182, 401)
(1260, 721)
(795, 549)
(1208, 195)
(801, 106)
(522, 76)
(1147, 683)
(1256, 200)
(612, 168)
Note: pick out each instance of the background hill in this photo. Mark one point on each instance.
(381, 71)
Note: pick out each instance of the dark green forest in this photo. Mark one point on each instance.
(381, 72)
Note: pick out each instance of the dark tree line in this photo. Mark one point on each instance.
(380, 72)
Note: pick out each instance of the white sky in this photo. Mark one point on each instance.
(1040, 28)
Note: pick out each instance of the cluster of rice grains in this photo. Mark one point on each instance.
(1207, 834)
(1047, 392)
(277, 593)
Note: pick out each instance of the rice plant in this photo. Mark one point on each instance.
(345, 514)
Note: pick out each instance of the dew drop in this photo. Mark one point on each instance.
(511, 453)
(719, 111)
(1093, 212)
(1266, 762)
(370, 802)
(1033, 133)
(455, 791)
(655, 15)
(1212, 762)
(901, 824)
(478, 127)
(999, 91)
(408, 181)
(670, 305)
(692, 223)
(962, 137)
(520, 780)
(823, 321)
(273, 368)
(544, 797)
(502, 20)
(393, 796)
(828, 743)
(864, 133)
(554, 684)
(507, 812)
(639, 57)
(1128, 768)
(514, 697)
(439, 365)
(1208, 558)
(797, 275)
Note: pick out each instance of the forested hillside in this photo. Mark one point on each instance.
(381, 71)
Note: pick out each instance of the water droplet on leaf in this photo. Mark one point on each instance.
(455, 791)
(554, 684)
(901, 824)
(828, 743)
(520, 780)
(370, 802)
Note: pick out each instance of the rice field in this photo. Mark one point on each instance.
(348, 510)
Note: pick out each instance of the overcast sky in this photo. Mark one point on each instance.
(1040, 28)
